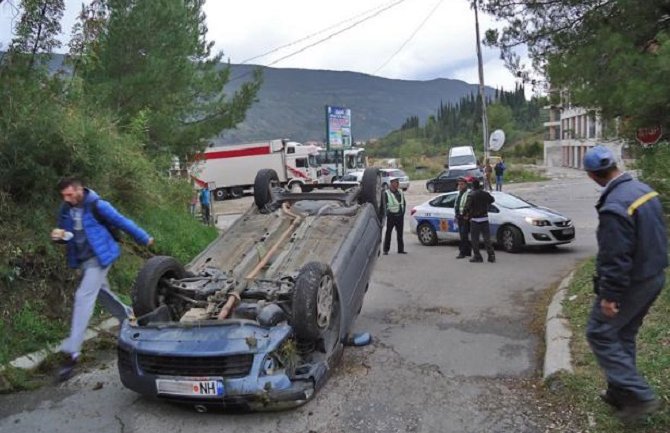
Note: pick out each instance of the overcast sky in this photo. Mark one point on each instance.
(442, 46)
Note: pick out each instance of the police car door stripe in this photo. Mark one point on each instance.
(640, 201)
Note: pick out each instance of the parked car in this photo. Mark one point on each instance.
(259, 318)
(446, 181)
(349, 180)
(514, 222)
(390, 173)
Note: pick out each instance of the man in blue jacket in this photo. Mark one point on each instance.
(84, 223)
(632, 257)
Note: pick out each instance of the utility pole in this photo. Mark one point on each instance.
(485, 122)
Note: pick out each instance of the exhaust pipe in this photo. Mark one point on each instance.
(200, 408)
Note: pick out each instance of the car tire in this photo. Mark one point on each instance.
(510, 239)
(315, 302)
(265, 180)
(426, 234)
(430, 187)
(149, 290)
(371, 191)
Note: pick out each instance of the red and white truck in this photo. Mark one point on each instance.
(229, 170)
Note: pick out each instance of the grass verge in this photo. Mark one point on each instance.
(580, 390)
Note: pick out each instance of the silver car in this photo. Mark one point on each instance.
(390, 173)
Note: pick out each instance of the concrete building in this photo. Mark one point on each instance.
(571, 131)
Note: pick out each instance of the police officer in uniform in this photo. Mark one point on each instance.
(632, 256)
(464, 248)
(395, 215)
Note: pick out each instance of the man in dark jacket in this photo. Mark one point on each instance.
(464, 249)
(632, 256)
(83, 222)
(477, 212)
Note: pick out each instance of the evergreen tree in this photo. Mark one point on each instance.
(154, 67)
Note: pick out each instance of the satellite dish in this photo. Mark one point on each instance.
(497, 140)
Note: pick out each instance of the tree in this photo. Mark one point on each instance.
(610, 54)
(36, 30)
(153, 66)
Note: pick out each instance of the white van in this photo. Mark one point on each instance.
(462, 157)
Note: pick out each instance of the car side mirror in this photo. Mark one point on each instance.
(493, 209)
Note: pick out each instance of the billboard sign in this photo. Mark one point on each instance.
(338, 127)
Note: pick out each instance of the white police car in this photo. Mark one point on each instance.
(514, 222)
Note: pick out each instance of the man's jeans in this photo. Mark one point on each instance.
(93, 285)
(612, 340)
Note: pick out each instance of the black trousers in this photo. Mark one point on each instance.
(464, 247)
(477, 229)
(394, 221)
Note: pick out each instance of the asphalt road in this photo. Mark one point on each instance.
(454, 349)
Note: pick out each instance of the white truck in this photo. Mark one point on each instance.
(229, 170)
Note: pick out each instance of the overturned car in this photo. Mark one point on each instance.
(260, 317)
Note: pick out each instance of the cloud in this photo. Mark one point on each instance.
(444, 47)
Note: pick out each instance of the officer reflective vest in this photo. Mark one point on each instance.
(392, 203)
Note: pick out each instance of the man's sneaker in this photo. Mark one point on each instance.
(462, 256)
(66, 369)
(631, 411)
(492, 259)
(476, 260)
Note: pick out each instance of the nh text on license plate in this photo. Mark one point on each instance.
(195, 387)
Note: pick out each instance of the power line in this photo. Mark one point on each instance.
(304, 38)
(330, 36)
(430, 14)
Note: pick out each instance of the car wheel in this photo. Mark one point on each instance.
(315, 304)
(426, 234)
(150, 289)
(510, 238)
(430, 187)
(220, 194)
(371, 191)
(265, 180)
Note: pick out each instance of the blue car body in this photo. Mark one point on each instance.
(263, 355)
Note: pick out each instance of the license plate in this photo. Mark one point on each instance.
(195, 387)
(569, 231)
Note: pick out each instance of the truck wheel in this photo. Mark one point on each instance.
(295, 187)
(150, 290)
(220, 194)
(265, 180)
(315, 303)
(371, 190)
(236, 192)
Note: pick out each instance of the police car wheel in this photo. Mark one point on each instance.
(426, 234)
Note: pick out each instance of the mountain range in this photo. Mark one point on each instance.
(291, 103)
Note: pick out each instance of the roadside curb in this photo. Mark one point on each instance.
(557, 334)
(33, 360)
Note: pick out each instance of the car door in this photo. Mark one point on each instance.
(442, 210)
(452, 179)
(441, 181)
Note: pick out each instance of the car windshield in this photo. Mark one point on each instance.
(394, 173)
(462, 160)
(511, 202)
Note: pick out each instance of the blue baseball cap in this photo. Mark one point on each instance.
(599, 158)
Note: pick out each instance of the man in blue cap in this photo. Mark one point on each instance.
(632, 256)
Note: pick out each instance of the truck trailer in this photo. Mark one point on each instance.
(229, 170)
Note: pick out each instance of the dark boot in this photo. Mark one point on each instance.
(66, 369)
